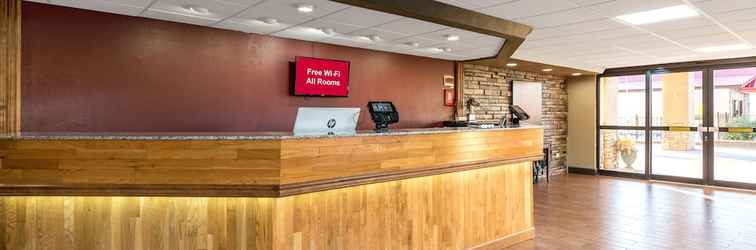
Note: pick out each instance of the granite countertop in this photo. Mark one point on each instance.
(235, 135)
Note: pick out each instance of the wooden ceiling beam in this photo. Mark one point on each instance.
(455, 17)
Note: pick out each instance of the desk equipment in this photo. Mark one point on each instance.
(383, 114)
(326, 121)
(518, 114)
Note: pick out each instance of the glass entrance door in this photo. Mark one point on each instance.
(677, 112)
(696, 125)
(734, 107)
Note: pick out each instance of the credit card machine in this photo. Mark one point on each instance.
(383, 113)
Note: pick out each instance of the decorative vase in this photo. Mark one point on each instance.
(629, 156)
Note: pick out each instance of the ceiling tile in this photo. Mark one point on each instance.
(421, 42)
(175, 10)
(709, 40)
(719, 6)
(125, 7)
(384, 35)
(361, 17)
(519, 9)
(285, 10)
(179, 18)
(575, 28)
(410, 26)
(302, 33)
(440, 35)
(250, 26)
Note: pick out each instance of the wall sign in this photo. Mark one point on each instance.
(449, 93)
(321, 77)
(449, 97)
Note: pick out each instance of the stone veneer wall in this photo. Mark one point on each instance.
(492, 87)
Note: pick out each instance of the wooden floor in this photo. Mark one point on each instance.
(589, 212)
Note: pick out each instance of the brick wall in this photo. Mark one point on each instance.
(492, 87)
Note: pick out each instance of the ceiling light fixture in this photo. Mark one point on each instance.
(577, 74)
(511, 65)
(268, 20)
(451, 38)
(374, 38)
(741, 46)
(196, 9)
(547, 70)
(305, 8)
(328, 31)
(412, 44)
(659, 15)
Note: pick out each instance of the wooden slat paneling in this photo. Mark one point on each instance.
(448, 211)
(277, 164)
(10, 66)
(318, 159)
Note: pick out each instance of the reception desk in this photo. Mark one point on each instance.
(406, 189)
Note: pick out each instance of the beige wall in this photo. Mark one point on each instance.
(581, 131)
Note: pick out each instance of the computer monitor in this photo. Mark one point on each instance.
(324, 121)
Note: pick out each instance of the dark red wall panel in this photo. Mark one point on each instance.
(98, 72)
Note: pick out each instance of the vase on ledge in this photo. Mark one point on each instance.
(629, 157)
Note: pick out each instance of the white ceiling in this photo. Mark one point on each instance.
(580, 34)
(584, 33)
(352, 25)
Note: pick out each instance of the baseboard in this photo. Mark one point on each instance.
(579, 170)
(508, 241)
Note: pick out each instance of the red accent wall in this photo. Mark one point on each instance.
(96, 72)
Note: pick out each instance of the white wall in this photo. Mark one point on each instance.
(529, 96)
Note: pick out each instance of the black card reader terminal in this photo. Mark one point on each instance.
(383, 113)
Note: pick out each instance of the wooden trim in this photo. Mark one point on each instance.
(459, 107)
(247, 190)
(316, 186)
(514, 33)
(583, 171)
(10, 66)
(507, 241)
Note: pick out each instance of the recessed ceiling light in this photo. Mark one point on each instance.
(577, 74)
(742, 46)
(268, 20)
(328, 31)
(196, 9)
(659, 15)
(511, 65)
(412, 44)
(547, 70)
(374, 38)
(305, 8)
(451, 38)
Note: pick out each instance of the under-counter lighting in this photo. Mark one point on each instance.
(451, 38)
(577, 74)
(511, 65)
(659, 15)
(305, 8)
(547, 70)
(268, 20)
(196, 9)
(723, 48)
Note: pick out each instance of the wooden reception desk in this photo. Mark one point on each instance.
(407, 189)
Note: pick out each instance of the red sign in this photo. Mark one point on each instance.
(448, 97)
(321, 77)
